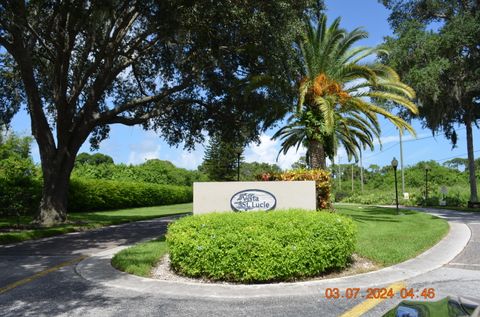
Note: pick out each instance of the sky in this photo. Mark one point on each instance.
(132, 145)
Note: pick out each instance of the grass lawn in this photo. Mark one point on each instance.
(87, 220)
(387, 238)
(140, 259)
(383, 237)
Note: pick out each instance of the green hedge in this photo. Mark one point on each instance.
(19, 190)
(258, 247)
(23, 195)
(89, 195)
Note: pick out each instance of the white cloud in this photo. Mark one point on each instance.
(341, 157)
(267, 151)
(147, 149)
(190, 160)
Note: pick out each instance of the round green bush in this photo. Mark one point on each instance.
(259, 247)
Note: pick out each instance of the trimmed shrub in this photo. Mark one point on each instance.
(321, 178)
(258, 247)
(20, 191)
(90, 195)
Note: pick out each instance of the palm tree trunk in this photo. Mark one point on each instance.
(317, 155)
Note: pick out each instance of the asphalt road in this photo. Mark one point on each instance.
(63, 292)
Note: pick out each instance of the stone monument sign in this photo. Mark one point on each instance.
(252, 196)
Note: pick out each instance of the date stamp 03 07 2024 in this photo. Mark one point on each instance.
(379, 293)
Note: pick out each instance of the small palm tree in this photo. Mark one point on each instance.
(339, 96)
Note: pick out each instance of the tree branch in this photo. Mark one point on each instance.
(40, 127)
(139, 83)
(107, 115)
(128, 121)
(107, 72)
(42, 42)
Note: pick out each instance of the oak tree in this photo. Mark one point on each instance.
(179, 67)
(436, 50)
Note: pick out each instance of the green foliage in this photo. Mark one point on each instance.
(153, 63)
(152, 171)
(435, 50)
(321, 178)
(19, 188)
(93, 159)
(251, 171)
(332, 97)
(221, 159)
(99, 185)
(260, 246)
(301, 163)
(86, 221)
(379, 186)
(218, 82)
(14, 146)
(89, 195)
(387, 238)
(459, 163)
(381, 237)
(140, 259)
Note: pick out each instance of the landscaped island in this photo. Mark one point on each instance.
(284, 245)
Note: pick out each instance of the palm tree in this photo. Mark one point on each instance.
(352, 130)
(340, 96)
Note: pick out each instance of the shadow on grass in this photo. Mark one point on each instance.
(375, 214)
(88, 242)
(9, 232)
(361, 218)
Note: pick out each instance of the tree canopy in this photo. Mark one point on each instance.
(436, 50)
(340, 94)
(94, 159)
(179, 67)
(221, 159)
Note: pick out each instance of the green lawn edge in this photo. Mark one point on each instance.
(84, 221)
(387, 238)
(142, 258)
(383, 247)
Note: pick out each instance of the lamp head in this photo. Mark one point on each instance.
(394, 163)
(239, 150)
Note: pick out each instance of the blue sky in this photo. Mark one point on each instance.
(132, 145)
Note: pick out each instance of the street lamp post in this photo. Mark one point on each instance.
(239, 151)
(427, 168)
(395, 165)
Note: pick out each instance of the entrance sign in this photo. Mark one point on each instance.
(253, 200)
(253, 196)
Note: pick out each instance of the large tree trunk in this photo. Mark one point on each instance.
(471, 161)
(317, 155)
(56, 177)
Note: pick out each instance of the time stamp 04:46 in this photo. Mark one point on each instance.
(380, 293)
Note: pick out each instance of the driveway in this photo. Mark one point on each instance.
(26, 290)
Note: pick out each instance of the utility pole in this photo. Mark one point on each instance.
(340, 174)
(352, 177)
(361, 171)
(401, 160)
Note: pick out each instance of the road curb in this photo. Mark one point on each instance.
(98, 269)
